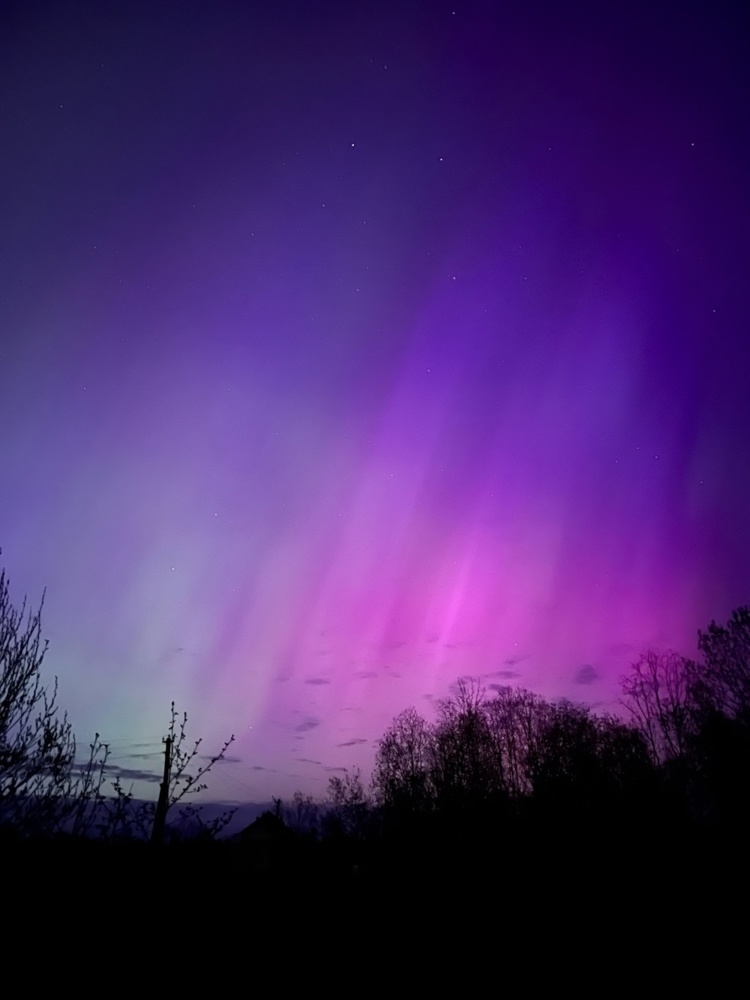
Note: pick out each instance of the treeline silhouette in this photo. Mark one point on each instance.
(529, 791)
(679, 750)
(500, 787)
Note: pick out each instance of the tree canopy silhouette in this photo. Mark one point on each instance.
(37, 746)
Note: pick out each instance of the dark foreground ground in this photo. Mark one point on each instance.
(592, 914)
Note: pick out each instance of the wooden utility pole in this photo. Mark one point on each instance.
(160, 816)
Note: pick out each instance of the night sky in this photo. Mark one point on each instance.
(350, 348)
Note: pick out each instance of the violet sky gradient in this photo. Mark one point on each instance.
(348, 348)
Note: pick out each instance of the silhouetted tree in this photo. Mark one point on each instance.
(624, 757)
(349, 812)
(659, 694)
(695, 718)
(565, 760)
(723, 682)
(720, 749)
(302, 816)
(466, 770)
(589, 765)
(37, 746)
(402, 776)
(515, 719)
(182, 780)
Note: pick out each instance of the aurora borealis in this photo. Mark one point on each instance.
(349, 348)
